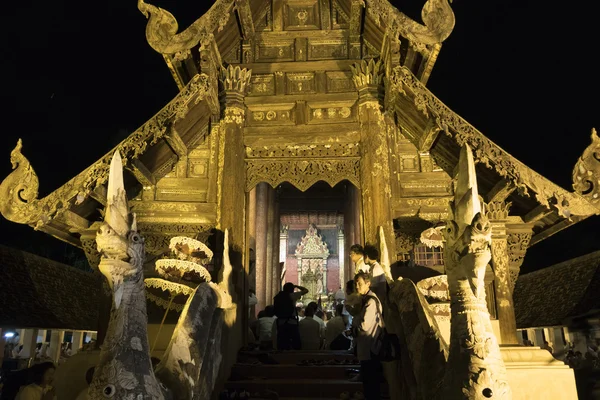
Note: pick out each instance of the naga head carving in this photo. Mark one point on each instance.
(118, 241)
(586, 173)
(469, 233)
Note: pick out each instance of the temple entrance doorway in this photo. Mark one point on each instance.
(302, 237)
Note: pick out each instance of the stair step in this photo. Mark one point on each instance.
(290, 387)
(282, 371)
(294, 357)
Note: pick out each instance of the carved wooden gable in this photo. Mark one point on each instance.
(312, 245)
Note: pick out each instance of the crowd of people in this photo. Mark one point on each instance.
(355, 323)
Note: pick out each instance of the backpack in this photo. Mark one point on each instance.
(284, 306)
(387, 345)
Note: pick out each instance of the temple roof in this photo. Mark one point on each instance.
(555, 295)
(36, 292)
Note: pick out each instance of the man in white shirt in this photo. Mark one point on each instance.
(311, 333)
(265, 328)
(357, 256)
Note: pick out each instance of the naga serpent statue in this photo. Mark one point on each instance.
(475, 369)
(125, 370)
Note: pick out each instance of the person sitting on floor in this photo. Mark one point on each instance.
(311, 334)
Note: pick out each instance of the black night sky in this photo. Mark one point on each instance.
(78, 76)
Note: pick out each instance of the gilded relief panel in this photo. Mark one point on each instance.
(182, 189)
(339, 82)
(262, 85)
(409, 163)
(323, 113)
(301, 15)
(271, 114)
(275, 51)
(300, 82)
(327, 49)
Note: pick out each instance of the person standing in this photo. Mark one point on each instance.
(357, 255)
(288, 335)
(368, 325)
(378, 280)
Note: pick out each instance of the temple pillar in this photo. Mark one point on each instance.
(275, 228)
(56, 340)
(41, 336)
(262, 203)
(77, 342)
(231, 176)
(374, 165)
(270, 246)
(30, 341)
(251, 232)
(341, 255)
(505, 311)
(283, 238)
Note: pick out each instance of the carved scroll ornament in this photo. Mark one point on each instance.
(488, 153)
(436, 14)
(162, 27)
(18, 191)
(302, 173)
(586, 174)
(312, 245)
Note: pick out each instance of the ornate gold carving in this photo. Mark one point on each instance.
(272, 51)
(436, 14)
(330, 114)
(487, 152)
(586, 174)
(300, 82)
(306, 150)
(312, 245)
(339, 81)
(498, 210)
(262, 85)
(16, 201)
(327, 49)
(302, 173)
(367, 73)
(162, 27)
(517, 248)
(235, 79)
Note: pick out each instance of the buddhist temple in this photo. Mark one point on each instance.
(302, 128)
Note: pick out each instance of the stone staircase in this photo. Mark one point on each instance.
(296, 375)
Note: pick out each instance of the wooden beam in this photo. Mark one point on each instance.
(428, 138)
(428, 62)
(325, 7)
(60, 234)
(546, 233)
(500, 191)
(245, 17)
(176, 143)
(537, 213)
(75, 221)
(142, 173)
(99, 194)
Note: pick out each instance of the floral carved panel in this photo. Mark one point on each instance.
(302, 173)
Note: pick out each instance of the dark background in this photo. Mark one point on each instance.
(79, 76)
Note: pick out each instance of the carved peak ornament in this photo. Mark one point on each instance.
(586, 173)
(498, 210)
(18, 191)
(436, 14)
(162, 27)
